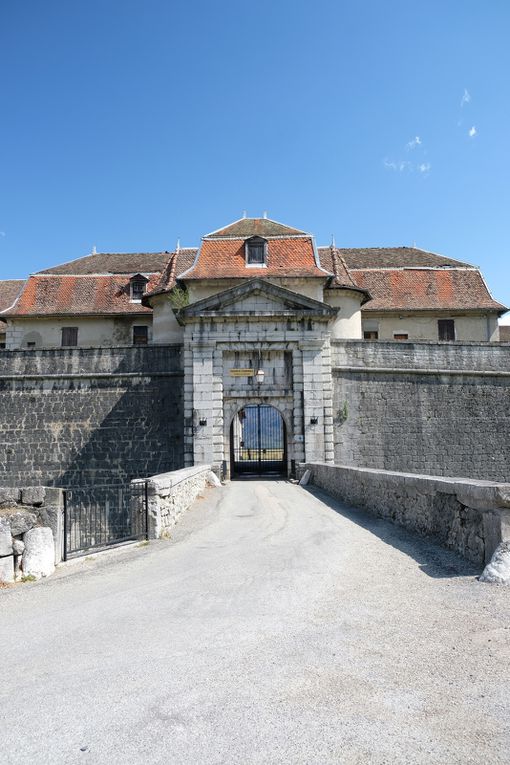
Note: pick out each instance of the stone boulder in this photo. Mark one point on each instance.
(39, 555)
(5, 537)
(18, 546)
(9, 497)
(20, 521)
(497, 571)
(7, 570)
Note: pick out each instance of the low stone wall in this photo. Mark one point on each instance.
(31, 531)
(170, 494)
(468, 516)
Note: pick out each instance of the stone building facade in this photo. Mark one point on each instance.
(256, 320)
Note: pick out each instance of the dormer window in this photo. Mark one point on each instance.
(137, 287)
(256, 251)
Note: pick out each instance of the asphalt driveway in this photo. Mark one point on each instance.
(274, 627)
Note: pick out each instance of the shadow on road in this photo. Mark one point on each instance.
(433, 560)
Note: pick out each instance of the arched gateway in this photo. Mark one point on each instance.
(258, 442)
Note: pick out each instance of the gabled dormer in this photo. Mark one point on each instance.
(137, 285)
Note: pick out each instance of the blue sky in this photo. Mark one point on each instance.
(126, 125)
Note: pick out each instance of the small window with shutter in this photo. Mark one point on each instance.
(256, 251)
(138, 284)
(446, 329)
(69, 336)
(140, 335)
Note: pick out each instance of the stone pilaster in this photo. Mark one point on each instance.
(313, 393)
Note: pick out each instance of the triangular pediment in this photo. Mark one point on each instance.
(256, 297)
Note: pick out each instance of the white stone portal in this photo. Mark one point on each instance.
(257, 327)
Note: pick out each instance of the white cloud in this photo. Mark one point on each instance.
(2, 233)
(399, 166)
(414, 143)
(472, 132)
(424, 167)
(466, 98)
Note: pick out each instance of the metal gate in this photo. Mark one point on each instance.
(258, 441)
(100, 516)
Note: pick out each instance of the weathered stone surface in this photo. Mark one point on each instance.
(33, 495)
(497, 571)
(9, 497)
(21, 522)
(171, 494)
(408, 420)
(39, 554)
(305, 478)
(106, 428)
(212, 479)
(5, 537)
(7, 569)
(18, 546)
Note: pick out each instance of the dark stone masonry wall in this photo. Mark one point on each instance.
(90, 416)
(441, 409)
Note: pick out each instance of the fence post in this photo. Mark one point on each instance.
(146, 487)
(64, 552)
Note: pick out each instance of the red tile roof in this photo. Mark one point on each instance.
(9, 291)
(388, 257)
(421, 289)
(246, 227)
(225, 259)
(60, 295)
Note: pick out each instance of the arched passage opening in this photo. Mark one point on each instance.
(258, 442)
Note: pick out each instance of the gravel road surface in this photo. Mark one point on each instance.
(276, 626)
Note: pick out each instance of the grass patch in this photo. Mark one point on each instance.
(28, 578)
(143, 543)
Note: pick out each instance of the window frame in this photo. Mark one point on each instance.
(450, 324)
(145, 334)
(260, 243)
(75, 331)
(138, 280)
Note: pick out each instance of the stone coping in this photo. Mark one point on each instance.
(174, 477)
(478, 494)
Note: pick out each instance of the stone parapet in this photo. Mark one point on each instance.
(421, 355)
(468, 516)
(171, 494)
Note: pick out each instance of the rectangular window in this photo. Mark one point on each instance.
(256, 251)
(137, 289)
(446, 329)
(140, 335)
(69, 336)
(370, 334)
(400, 336)
(31, 344)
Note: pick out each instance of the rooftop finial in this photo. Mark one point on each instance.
(94, 251)
(264, 214)
(178, 246)
(244, 214)
(333, 243)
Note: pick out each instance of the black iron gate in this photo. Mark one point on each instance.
(258, 441)
(100, 516)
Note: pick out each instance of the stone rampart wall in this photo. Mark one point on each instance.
(470, 517)
(436, 408)
(78, 417)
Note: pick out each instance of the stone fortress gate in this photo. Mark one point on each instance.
(257, 344)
